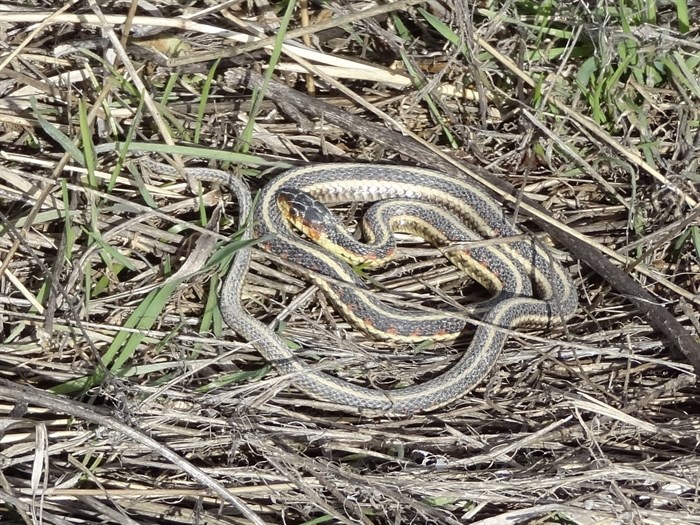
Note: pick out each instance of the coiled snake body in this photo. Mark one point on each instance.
(515, 270)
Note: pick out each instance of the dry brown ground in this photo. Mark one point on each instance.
(588, 109)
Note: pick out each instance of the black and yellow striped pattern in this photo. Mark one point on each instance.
(533, 289)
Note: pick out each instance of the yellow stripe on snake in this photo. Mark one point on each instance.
(530, 288)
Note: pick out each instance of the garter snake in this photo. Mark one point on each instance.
(516, 270)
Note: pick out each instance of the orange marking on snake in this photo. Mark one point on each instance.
(313, 233)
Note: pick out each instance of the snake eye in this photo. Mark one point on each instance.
(287, 200)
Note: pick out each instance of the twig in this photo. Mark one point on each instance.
(34, 396)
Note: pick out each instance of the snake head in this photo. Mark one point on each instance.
(304, 212)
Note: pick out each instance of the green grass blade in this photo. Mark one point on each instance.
(204, 153)
(201, 110)
(683, 16)
(125, 342)
(88, 146)
(56, 134)
(258, 96)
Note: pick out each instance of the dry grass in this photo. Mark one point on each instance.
(590, 109)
